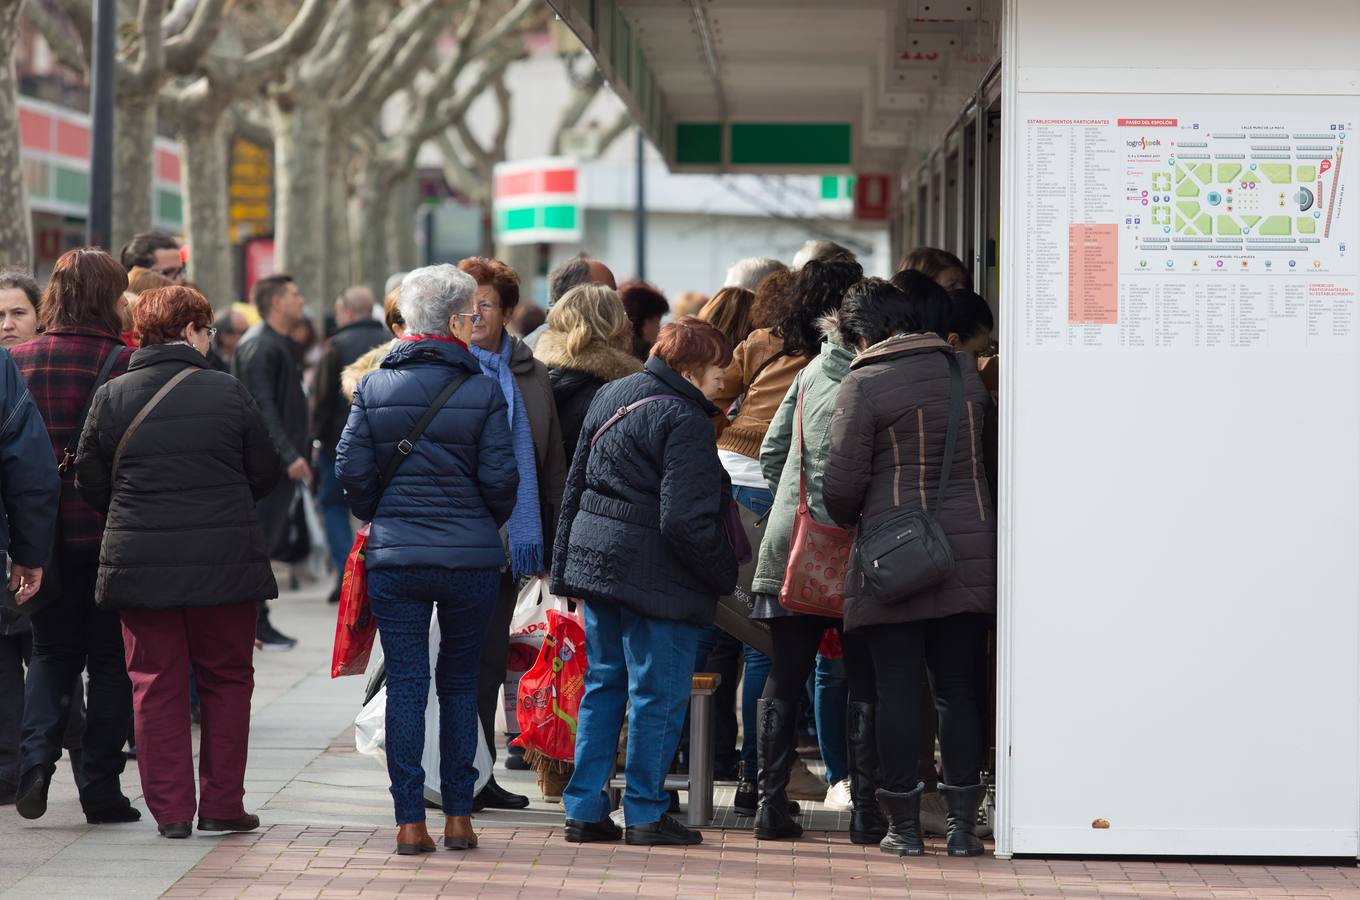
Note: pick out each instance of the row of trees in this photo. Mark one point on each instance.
(310, 77)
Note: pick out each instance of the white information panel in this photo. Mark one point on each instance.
(1181, 492)
(1196, 230)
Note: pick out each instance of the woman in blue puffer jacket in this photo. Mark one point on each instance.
(434, 536)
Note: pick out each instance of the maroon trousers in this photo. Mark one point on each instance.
(161, 643)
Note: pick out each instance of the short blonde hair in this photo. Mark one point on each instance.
(588, 313)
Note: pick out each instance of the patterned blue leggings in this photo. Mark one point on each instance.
(402, 600)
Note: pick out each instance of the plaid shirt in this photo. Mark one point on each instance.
(60, 367)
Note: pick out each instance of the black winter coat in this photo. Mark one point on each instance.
(267, 364)
(886, 454)
(642, 515)
(182, 530)
(330, 406)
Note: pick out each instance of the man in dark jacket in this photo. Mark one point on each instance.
(357, 333)
(29, 490)
(267, 365)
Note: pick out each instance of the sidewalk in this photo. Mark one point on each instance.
(327, 833)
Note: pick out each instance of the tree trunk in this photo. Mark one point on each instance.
(403, 220)
(134, 135)
(487, 204)
(300, 194)
(339, 272)
(16, 224)
(204, 145)
(371, 218)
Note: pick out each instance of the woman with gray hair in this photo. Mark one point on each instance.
(426, 459)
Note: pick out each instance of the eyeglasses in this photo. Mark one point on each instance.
(212, 332)
(171, 273)
(475, 317)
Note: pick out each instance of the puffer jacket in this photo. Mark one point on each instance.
(642, 516)
(886, 454)
(781, 450)
(29, 485)
(577, 377)
(445, 505)
(182, 528)
(764, 389)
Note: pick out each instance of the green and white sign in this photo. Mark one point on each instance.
(538, 202)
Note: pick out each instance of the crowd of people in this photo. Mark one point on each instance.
(653, 460)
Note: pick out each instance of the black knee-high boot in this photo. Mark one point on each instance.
(867, 825)
(775, 750)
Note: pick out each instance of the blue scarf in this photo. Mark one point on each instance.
(525, 525)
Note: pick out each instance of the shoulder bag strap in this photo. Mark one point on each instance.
(623, 411)
(68, 456)
(408, 443)
(145, 411)
(955, 413)
(802, 481)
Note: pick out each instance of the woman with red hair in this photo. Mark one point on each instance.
(642, 542)
(175, 454)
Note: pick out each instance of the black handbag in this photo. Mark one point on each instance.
(910, 551)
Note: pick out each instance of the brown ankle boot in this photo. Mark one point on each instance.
(458, 833)
(414, 838)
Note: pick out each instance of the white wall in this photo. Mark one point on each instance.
(1180, 590)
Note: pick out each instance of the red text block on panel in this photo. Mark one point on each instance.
(1093, 274)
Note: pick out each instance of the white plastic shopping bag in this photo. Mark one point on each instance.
(370, 731)
(528, 628)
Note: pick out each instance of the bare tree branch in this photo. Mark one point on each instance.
(55, 27)
(457, 172)
(408, 35)
(324, 69)
(80, 14)
(183, 50)
(296, 38)
(581, 98)
(454, 109)
(621, 125)
(511, 19)
(150, 52)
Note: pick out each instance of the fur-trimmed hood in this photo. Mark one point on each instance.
(349, 378)
(598, 359)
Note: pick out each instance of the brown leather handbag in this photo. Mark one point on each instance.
(819, 555)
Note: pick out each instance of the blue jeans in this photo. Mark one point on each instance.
(334, 513)
(648, 662)
(402, 600)
(830, 695)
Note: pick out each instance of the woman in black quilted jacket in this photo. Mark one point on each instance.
(642, 542)
(183, 557)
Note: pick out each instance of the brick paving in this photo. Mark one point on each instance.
(536, 864)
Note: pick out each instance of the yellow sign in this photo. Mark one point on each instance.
(251, 190)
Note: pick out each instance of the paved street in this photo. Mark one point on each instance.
(327, 834)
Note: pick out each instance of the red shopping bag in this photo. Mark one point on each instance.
(354, 625)
(550, 692)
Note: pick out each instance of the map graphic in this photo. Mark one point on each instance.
(1264, 199)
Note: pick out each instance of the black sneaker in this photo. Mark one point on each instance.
(578, 832)
(115, 813)
(271, 637)
(665, 832)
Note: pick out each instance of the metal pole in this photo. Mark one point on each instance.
(99, 224)
(640, 208)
